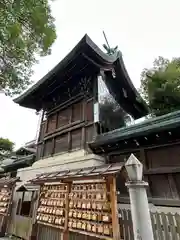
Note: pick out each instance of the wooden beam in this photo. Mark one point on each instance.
(83, 135)
(65, 233)
(46, 126)
(65, 129)
(162, 170)
(53, 146)
(42, 149)
(143, 158)
(114, 208)
(66, 104)
(116, 152)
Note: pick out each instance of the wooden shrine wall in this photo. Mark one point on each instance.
(161, 170)
(67, 129)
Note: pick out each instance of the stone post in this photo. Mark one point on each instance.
(142, 226)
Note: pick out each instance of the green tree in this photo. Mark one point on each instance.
(6, 147)
(160, 86)
(26, 30)
(112, 116)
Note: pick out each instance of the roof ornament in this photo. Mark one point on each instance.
(109, 50)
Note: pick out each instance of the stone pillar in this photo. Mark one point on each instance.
(142, 226)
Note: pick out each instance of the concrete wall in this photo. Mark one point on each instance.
(73, 160)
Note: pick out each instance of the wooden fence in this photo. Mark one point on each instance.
(165, 226)
(50, 233)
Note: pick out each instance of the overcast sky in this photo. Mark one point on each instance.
(143, 30)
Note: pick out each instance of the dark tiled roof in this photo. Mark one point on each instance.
(87, 50)
(22, 161)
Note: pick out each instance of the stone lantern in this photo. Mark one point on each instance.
(142, 226)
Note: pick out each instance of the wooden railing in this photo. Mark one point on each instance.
(47, 233)
(166, 226)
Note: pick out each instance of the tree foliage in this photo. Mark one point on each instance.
(6, 146)
(26, 30)
(112, 116)
(160, 86)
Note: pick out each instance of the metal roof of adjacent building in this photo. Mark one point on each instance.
(19, 162)
(157, 124)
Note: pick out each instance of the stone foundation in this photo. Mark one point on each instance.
(73, 160)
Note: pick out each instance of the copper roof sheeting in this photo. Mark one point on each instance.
(114, 139)
(8, 181)
(90, 172)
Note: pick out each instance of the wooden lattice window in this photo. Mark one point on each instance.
(61, 143)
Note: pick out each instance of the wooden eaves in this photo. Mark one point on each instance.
(79, 174)
(87, 55)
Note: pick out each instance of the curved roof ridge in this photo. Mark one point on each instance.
(88, 50)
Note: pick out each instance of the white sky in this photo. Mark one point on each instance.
(143, 30)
